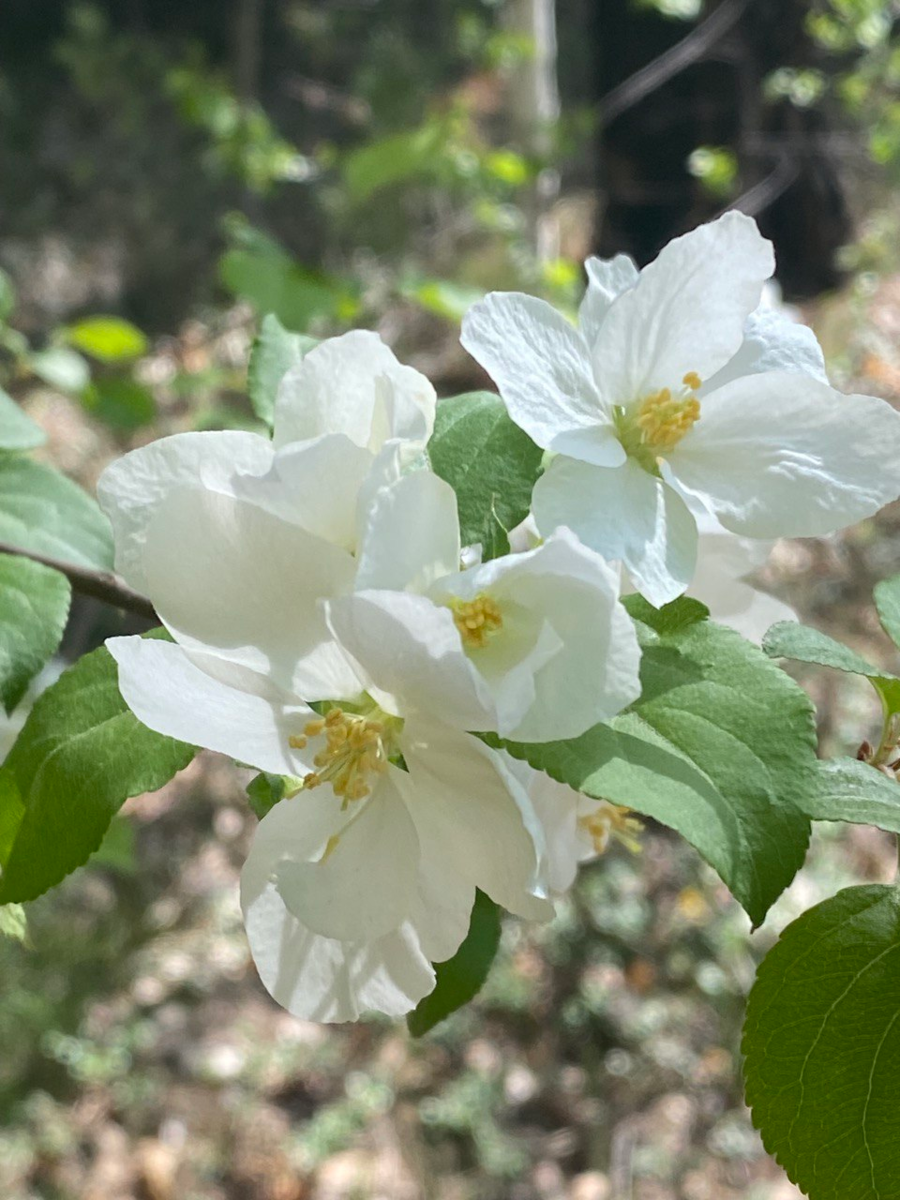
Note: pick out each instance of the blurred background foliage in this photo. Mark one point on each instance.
(170, 173)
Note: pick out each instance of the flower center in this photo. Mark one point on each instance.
(612, 822)
(659, 422)
(357, 746)
(476, 620)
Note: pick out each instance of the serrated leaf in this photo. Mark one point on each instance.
(853, 791)
(461, 977)
(34, 605)
(80, 755)
(887, 602)
(822, 1047)
(489, 462)
(108, 339)
(720, 747)
(275, 350)
(13, 923)
(41, 510)
(788, 639)
(17, 432)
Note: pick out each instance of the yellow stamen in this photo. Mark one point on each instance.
(664, 420)
(612, 822)
(354, 750)
(476, 620)
(693, 381)
(297, 742)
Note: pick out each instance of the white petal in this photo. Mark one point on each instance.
(462, 797)
(314, 485)
(687, 311)
(607, 279)
(410, 535)
(363, 888)
(772, 342)
(782, 455)
(171, 695)
(541, 366)
(557, 810)
(627, 515)
(354, 385)
(412, 657)
(230, 579)
(130, 488)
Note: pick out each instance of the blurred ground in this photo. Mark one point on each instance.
(141, 1058)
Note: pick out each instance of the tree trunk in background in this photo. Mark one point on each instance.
(534, 111)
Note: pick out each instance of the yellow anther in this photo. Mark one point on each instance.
(477, 619)
(611, 822)
(314, 728)
(693, 381)
(354, 749)
(664, 419)
(298, 742)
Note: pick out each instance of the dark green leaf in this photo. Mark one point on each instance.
(78, 758)
(17, 432)
(720, 747)
(822, 1047)
(7, 296)
(274, 352)
(887, 602)
(461, 977)
(120, 403)
(41, 510)
(671, 618)
(489, 462)
(855, 792)
(265, 791)
(34, 605)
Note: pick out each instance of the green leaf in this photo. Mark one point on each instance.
(79, 756)
(274, 352)
(788, 639)
(17, 432)
(261, 271)
(489, 462)
(671, 618)
(855, 792)
(13, 923)
(461, 977)
(61, 368)
(822, 1047)
(34, 605)
(122, 404)
(720, 747)
(108, 339)
(265, 791)
(887, 602)
(394, 159)
(12, 810)
(7, 296)
(42, 511)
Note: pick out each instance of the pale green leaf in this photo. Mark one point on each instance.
(79, 756)
(34, 605)
(822, 1047)
(788, 639)
(489, 462)
(108, 339)
(42, 511)
(13, 923)
(887, 602)
(461, 977)
(61, 368)
(17, 432)
(274, 352)
(720, 747)
(853, 791)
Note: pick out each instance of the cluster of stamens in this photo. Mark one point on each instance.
(477, 619)
(609, 823)
(661, 421)
(354, 749)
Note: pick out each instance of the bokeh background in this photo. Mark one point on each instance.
(188, 167)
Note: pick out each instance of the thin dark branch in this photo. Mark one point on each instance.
(675, 60)
(102, 585)
(758, 198)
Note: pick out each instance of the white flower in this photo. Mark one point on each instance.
(368, 874)
(543, 634)
(671, 387)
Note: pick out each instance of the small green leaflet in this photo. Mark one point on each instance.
(265, 791)
(787, 639)
(887, 602)
(13, 923)
(274, 352)
(822, 1047)
(34, 605)
(489, 462)
(720, 747)
(108, 339)
(62, 368)
(17, 432)
(853, 791)
(79, 756)
(461, 977)
(42, 511)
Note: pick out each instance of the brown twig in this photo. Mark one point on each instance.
(675, 60)
(102, 585)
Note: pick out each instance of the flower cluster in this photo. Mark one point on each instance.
(328, 626)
